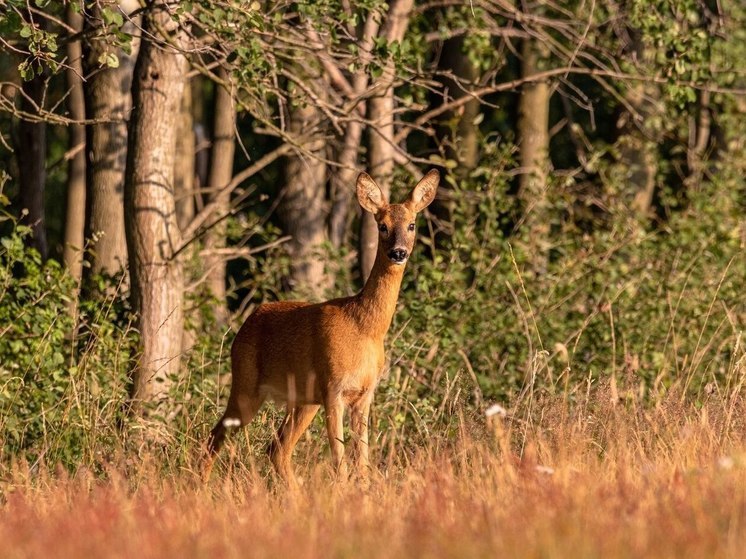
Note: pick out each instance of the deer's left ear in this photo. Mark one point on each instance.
(369, 195)
(424, 193)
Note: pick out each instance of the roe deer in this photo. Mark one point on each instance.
(328, 354)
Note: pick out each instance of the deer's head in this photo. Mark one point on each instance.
(396, 222)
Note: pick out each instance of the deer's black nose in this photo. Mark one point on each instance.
(398, 255)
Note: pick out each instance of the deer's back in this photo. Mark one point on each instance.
(297, 348)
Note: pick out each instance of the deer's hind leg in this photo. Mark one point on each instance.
(237, 414)
(243, 404)
(293, 426)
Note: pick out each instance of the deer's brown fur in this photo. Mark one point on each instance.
(330, 353)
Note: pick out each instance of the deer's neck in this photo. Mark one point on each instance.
(376, 303)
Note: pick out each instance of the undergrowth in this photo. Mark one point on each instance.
(481, 320)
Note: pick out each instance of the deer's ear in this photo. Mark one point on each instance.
(368, 194)
(424, 193)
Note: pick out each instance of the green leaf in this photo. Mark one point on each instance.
(112, 17)
(108, 59)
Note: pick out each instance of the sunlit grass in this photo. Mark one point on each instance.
(598, 477)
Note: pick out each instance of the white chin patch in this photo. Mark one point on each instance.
(400, 263)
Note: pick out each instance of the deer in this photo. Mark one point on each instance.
(328, 354)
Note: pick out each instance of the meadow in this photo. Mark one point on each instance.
(623, 438)
(599, 478)
(565, 368)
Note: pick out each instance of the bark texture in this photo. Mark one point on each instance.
(221, 173)
(302, 208)
(533, 141)
(108, 100)
(343, 184)
(184, 167)
(343, 178)
(75, 211)
(639, 137)
(31, 156)
(638, 155)
(463, 144)
(381, 142)
(700, 140)
(152, 231)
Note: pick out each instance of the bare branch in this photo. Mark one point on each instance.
(239, 178)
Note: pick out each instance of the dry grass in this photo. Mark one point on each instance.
(590, 479)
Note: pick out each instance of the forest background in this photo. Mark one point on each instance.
(589, 233)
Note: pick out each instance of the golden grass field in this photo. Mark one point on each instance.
(594, 478)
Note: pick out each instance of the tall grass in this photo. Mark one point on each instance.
(621, 367)
(599, 478)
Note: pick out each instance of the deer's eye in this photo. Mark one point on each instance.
(382, 228)
(411, 226)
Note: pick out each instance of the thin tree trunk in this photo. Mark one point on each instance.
(184, 169)
(381, 142)
(153, 235)
(75, 211)
(302, 208)
(31, 154)
(201, 139)
(638, 138)
(221, 173)
(637, 158)
(185, 182)
(343, 183)
(458, 132)
(700, 126)
(108, 99)
(343, 179)
(533, 141)
(463, 143)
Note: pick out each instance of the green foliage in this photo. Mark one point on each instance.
(483, 312)
(52, 376)
(681, 35)
(32, 339)
(656, 308)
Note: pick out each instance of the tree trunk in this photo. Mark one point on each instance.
(700, 139)
(638, 158)
(343, 183)
(343, 178)
(381, 163)
(75, 211)
(639, 136)
(201, 139)
(458, 132)
(184, 168)
(381, 142)
(107, 98)
(462, 145)
(150, 210)
(302, 208)
(533, 142)
(185, 185)
(31, 154)
(221, 173)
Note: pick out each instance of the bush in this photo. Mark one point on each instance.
(652, 306)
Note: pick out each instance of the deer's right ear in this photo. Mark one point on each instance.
(368, 194)
(424, 193)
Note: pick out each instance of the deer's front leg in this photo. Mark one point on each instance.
(335, 429)
(359, 419)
